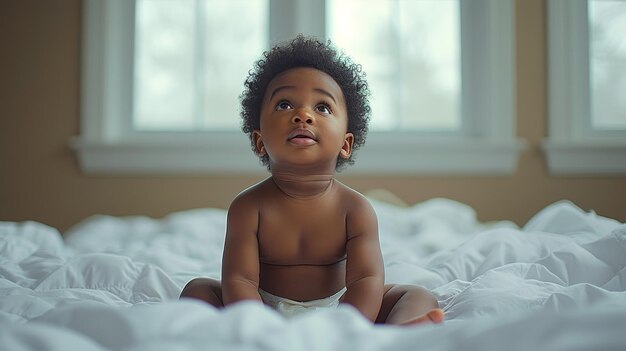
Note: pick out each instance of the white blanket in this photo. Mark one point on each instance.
(558, 283)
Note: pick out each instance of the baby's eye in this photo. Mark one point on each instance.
(324, 108)
(283, 105)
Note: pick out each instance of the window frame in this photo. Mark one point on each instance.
(572, 147)
(489, 147)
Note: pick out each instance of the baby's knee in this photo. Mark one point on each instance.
(415, 293)
(205, 289)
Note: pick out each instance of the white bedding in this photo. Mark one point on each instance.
(558, 283)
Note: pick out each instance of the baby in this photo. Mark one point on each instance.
(300, 239)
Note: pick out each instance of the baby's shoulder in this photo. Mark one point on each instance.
(251, 196)
(360, 213)
(352, 198)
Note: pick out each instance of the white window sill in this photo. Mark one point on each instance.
(230, 153)
(217, 153)
(586, 158)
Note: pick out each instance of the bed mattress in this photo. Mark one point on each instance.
(112, 283)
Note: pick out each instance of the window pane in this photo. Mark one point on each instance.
(607, 36)
(191, 59)
(410, 50)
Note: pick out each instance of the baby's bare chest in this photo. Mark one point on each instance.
(292, 234)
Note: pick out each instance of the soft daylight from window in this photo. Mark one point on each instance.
(411, 53)
(192, 56)
(191, 59)
(607, 51)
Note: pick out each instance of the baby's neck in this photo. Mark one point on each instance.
(303, 186)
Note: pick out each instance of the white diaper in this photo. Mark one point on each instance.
(290, 308)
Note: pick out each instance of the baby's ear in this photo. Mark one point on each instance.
(258, 143)
(346, 149)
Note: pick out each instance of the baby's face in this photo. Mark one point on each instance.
(304, 121)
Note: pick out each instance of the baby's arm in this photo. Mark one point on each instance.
(365, 273)
(240, 262)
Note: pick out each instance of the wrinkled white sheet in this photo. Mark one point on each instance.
(558, 283)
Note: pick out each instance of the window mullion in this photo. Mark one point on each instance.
(473, 67)
(310, 18)
(281, 22)
(582, 89)
(199, 74)
(487, 62)
(569, 105)
(119, 67)
(398, 110)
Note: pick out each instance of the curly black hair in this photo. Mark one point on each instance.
(308, 52)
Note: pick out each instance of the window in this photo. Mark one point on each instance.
(160, 82)
(587, 83)
(411, 57)
(188, 72)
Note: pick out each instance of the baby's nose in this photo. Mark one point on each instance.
(301, 117)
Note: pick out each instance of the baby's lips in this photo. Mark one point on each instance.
(302, 140)
(301, 133)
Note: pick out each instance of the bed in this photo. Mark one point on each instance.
(557, 283)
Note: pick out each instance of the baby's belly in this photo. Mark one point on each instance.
(303, 282)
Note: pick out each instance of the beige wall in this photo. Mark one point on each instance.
(39, 112)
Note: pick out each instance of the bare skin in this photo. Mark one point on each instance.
(301, 234)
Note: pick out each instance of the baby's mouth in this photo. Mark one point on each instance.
(302, 136)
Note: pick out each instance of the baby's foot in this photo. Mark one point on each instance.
(435, 315)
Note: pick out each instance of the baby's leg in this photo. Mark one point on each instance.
(409, 304)
(205, 289)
